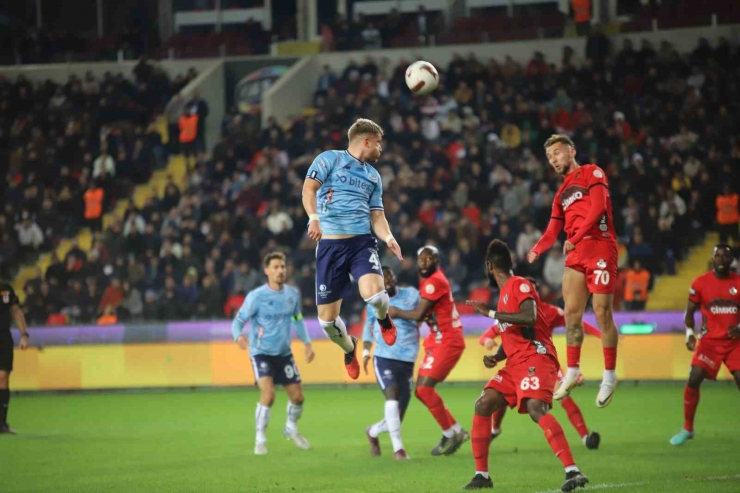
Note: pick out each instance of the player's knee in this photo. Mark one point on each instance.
(485, 405)
(4, 379)
(573, 314)
(537, 409)
(424, 394)
(696, 377)
(604, 315)
(298, 399)
(267, 397)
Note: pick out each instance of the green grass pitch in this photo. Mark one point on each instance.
(202, 442)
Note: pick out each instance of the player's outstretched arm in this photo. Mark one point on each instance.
(20, 321)
(547, 240)
(310, 187)
(688, 320)
(383, 230)
(487, 338)
(527, 314)
(417, 314)
(299, 325)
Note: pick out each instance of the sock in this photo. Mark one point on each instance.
(575, 416)
(455, 427)
(294, 414)
(262, 418)
(380, 303)
(610, 358)
(609, 376)
(337, 332)
(690, 403)
(378, 428)
(431, 399)
(482, 473)
(556, 438)
(393, 419)
(4, 404)
(573, 356)
(496, 418)
(480, 437)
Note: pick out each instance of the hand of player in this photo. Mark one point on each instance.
(481, 308)
(365, 361)
(532, 256)
(393, 311)
(242, 343)
(395, 248)
(314, 230)
(568, 247)
(489, 344)
(309, 353)
(23, 344)
(691, 343)
(734, 332)
(489, 361)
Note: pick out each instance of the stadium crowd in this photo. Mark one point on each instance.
(459, 169)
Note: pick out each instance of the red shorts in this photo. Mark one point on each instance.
(711, 353)
(439, 360)
(598, 261)
(532, 379)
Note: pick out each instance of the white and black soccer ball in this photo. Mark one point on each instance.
(421, 77)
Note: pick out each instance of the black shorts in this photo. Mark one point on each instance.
(6, 353)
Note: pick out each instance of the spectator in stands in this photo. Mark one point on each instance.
(728, 215)
(636, 287)
(174, 109)
(30, 237)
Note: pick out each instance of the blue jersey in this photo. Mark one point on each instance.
(270, 314)
(406, 347)
(349, 190)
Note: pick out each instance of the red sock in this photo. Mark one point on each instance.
(610, 358)
(496, 418)
(450, 418)
(690, 403)
(575, 416)
(436, 406)
(556, 438)
(574, 356)
(480, 437)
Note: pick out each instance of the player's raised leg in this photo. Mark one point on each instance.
(490, 402)
(690, 403)
(294, 413)
(575, 295)
(262, 413)
(603, 309)
(372, 290)
(539, 411)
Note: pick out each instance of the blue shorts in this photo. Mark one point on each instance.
(282, 369)
(389, 372)
(337, 259)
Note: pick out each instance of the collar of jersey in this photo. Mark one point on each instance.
(350, 155)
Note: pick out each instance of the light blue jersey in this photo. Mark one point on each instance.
(270, 314)
(349, 190)
(406, 347)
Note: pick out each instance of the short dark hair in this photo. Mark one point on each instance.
(273, 256)
(499, 256)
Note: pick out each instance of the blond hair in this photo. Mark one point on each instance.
(273, 256)
(363, 126)
(559, 139)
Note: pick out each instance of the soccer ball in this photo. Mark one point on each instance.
(422, 78)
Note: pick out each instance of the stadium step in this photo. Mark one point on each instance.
(670, 292)
(175, 168)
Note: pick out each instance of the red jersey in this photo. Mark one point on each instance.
(446, 326)
(572, 203)
(720, 303)
(554, 316)
(521, 342)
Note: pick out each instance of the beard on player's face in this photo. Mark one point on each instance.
(427, 270)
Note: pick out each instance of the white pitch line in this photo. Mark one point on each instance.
(604, 486)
